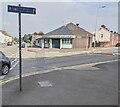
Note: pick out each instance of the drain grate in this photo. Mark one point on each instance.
(46, 83)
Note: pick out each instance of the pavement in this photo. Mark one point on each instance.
(68, 52)
(30, 52)
(94, 85)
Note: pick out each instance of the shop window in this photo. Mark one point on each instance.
(46, 41)
(66, 41)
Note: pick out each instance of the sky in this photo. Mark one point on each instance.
(52, 15)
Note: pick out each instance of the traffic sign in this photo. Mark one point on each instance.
(17, 9)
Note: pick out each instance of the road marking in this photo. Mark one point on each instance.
(1, 77)
(3, 82)
(14, 65)
(14, 61)
(90, 64)
(45, 83)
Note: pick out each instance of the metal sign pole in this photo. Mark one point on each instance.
(27, 10)
(20, 58)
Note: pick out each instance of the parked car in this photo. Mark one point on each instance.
(9, 44)
(5, 64)
(23, 45)
(117, 45)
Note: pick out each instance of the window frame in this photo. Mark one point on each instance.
(67, 41)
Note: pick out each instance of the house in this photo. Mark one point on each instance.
(68, 36)
(114, 38)
(105, 37)
(35, 41)
(4, 37)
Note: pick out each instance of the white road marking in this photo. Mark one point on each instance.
(14, 61)
(45, 83)
(2, 77)
(14, 65)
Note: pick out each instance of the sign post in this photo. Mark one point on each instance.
(20, 54)
(27, 10)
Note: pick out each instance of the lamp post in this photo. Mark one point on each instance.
(96, 24)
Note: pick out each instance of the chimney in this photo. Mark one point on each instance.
(111, 31)
(103, 26)
(77, 24)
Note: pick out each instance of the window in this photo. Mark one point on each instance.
(46, 41)
(101, 35)
(0, 56)
(66, 41)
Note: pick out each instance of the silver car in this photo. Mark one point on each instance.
(5, 64)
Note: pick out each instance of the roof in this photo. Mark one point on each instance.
(76, 30)
(69, 29)
(4, 33)
(1, 34)
(60, 31)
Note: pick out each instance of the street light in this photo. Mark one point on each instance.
(101, 7)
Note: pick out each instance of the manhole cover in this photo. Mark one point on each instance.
(46, 83)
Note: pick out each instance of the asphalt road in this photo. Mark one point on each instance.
(38, 64)
(96, 85)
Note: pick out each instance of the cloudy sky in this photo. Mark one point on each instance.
(51, 15)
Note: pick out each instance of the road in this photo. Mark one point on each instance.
(73, 84)
(38, 64)
(96, 85)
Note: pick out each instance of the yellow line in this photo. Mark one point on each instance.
(4, 81)
(90, 64)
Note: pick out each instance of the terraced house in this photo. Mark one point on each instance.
(106, 38)
(68, 36)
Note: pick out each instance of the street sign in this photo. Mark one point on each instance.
(17, 9)
(13, 9)
(27, 10)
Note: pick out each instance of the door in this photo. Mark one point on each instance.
(55, 43)
(88, 42)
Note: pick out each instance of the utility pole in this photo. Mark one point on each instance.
(96, 24)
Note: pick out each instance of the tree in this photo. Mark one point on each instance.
(26, 38)
(39, 33)
(35, 33)
(15, 39)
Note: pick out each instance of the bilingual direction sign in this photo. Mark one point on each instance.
(17, 9)
(26, 10)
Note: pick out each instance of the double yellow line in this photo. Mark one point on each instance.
(4, 81)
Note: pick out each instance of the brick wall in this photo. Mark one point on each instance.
(81, 42)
